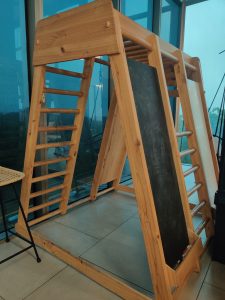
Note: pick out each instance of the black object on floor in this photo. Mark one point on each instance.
(7, 230)
(158, 153)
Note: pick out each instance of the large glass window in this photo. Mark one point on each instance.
(95, 117)
(141, 12)
(170, 22)
(14, 98)
(204, 38)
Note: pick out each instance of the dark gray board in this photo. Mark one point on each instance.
(159, 160)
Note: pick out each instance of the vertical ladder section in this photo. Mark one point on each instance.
(197, 168)
(35, 143)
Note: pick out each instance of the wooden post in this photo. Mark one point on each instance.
(140, 175)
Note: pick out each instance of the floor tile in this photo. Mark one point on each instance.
(123, 254)
(22, 274)
(216, 275)
(71, 285)
(67, 238)
(208, 292)
(101, 217)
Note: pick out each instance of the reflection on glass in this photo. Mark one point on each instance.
(14, 99)
(141, 12)
(170, 22)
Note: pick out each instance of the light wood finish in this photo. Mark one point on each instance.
(125, 188)
(112, 151)
(64, 72)
(56, 128)
(184, 133)
(196, 63)
(197, 208)
(187, 152)
(77, 33)
(60, 111)
(181, 78)
(62, 92)
(76, 134)
(86, 32)
(194, 189)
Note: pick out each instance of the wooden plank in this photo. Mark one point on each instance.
(112, 151)
(101, 277)
(50, 161)
(76, 134)
(64, 72)
(62, 92)
(90, 26)
(32, 134)
(47, 204)
(56, 128)
(196, 62)
(159, 159)
(47, 191)
(53, 145)
(134, 145)
(45, 217)
(48, 176)
(60, 111)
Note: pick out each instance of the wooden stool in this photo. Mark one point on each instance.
(9, 177)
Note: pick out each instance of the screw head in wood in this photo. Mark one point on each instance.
(108, 24)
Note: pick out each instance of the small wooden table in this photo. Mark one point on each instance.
(9, 177)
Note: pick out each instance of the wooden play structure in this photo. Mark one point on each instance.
(94, 30)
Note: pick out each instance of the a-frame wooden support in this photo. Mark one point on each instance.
(93, 30)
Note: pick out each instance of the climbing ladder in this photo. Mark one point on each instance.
(38, 108)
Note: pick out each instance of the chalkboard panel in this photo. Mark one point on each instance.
(159, 160)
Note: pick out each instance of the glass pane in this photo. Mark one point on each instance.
(14, 96)
(95, 116)
(170, 22)
(139, 11)
(205, 39)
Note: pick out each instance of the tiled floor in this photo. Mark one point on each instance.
(106, 233)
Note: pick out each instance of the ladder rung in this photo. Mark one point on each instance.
(191, 170)
(53, 145)
(197, 208)
(173, 93)
(184, 133)
(62, 92)
(47, 204)
(186, 152)
(45, 217)
(59, 128)
(50, 161)
(43, 192)
(194, 189)
(64, 72)
(60, 110)
(48, 176)
(201, 226)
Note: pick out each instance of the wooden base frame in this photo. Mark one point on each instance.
(82, 34)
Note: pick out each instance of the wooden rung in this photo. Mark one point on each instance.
(50, 161)
(136, 52)
(62, 92)
(201, 226)
(194, 189)
(187, 152)
(60, 110)
(48, 176)
(197, 208)
(170, 82)
(173, 93)
(191, 170)
(47, 204)
(102, 62)
(56, 128)
(64, 72)
(45, 217)
(138, 56)
(183, 133)
(43, 192)
(53, 145)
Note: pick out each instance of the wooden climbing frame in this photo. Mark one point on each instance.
(88, 32)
